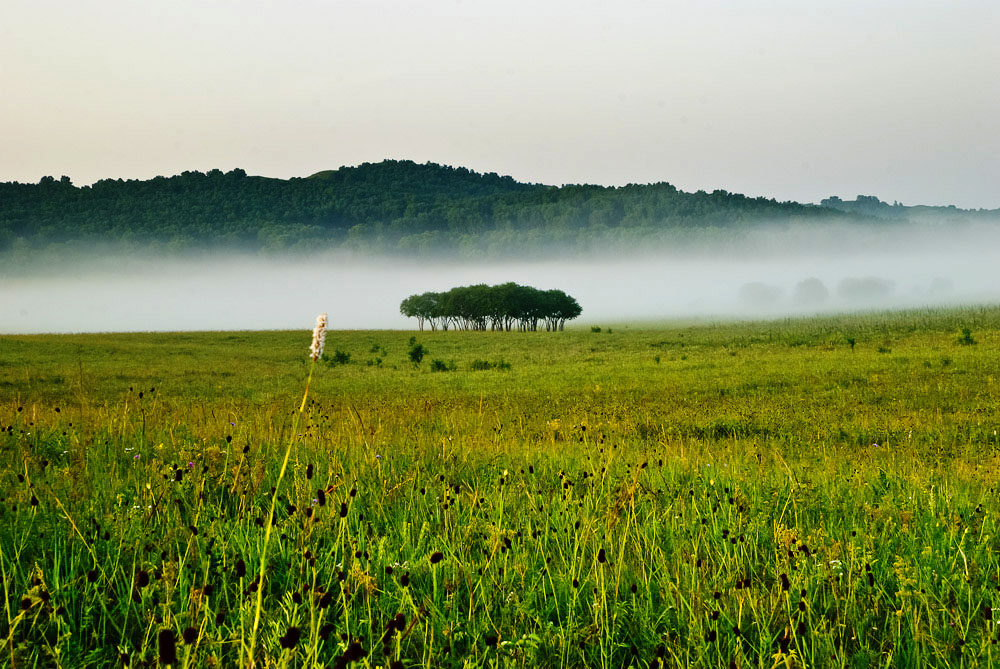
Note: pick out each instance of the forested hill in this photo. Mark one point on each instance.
(389, 206)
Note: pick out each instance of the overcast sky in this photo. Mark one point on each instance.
(788, 99)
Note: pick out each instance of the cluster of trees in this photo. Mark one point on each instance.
(504, 307)
(389, 206)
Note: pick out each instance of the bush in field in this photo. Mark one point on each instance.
(438, 365)
(338, 358)
(416, 352)
(966, 338)
(480, 365)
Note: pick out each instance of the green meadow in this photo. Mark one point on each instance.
(813, 492)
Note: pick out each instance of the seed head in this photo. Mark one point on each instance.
(319, 337)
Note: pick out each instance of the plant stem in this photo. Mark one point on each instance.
(270, 518)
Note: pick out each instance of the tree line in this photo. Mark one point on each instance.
(501, 308)
(392, 206)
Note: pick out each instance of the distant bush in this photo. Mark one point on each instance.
(442, 366)
(338, 358)
(416, 352)
(595, 328)
(966, 338)
(810, 292)
(479, 365)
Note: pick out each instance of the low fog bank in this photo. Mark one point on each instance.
(772, 272)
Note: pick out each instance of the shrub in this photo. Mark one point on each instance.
(966, 338)
(595, 328)
(416, 352)
(479, 365)
(338, 358)
(441, 366)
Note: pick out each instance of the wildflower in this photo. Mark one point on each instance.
(319, 337)
(291, 638)
(167, 645)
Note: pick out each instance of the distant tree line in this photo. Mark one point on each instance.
(393, 206)
(505, 307)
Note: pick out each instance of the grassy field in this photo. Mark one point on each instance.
(812, 492)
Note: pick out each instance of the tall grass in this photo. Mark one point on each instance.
(762, 496)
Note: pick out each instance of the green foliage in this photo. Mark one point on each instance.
(338, 358)
(392, 206)
(784, 506)
(966, 338)
(498, 308)
(481, 365)
(416, 352)
(596, 329)
(438, 365)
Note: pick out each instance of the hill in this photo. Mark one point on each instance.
(392, 205)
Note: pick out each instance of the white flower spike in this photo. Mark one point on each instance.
(319, 338)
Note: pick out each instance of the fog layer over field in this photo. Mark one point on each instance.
(764, 273)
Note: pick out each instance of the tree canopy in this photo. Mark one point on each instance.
(392, 206)
(505, 307)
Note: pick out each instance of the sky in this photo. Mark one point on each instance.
(787, 99)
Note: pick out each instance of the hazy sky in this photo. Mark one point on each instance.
(789, 99)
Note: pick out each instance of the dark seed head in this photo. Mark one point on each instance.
(354, 652)
(291, 638)
(190, 635)
(436, 557)
(166, 643)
